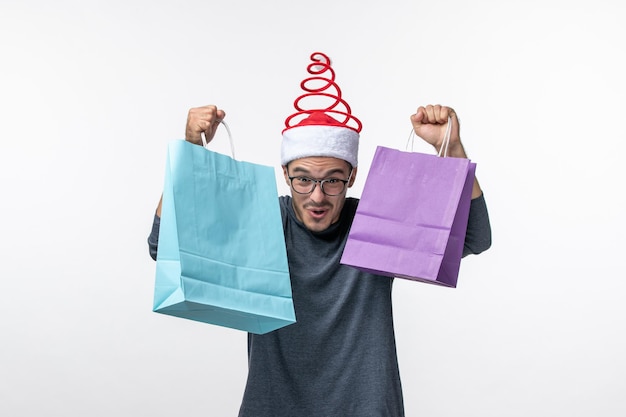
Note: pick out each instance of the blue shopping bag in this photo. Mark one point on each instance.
(221, 256)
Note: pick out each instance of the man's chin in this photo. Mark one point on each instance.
(316, 226)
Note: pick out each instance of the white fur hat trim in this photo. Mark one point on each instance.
(314, 140)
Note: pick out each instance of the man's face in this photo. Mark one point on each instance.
(317, 210)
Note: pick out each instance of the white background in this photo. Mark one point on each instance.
(92, 91)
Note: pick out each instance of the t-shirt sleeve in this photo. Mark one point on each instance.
(478, 235)
(153, 239)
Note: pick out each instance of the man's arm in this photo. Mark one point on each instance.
(199, 119)
(430, 123)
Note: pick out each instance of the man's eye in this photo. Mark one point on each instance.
(303, 180)
(332, 180)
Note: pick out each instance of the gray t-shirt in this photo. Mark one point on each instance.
(339, 358)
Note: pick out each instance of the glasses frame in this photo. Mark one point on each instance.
(321, 183)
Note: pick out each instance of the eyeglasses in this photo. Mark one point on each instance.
(330, 186)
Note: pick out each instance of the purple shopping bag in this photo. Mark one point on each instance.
(412, 217)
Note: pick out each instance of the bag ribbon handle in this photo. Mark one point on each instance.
(230, 139)
(446, 139)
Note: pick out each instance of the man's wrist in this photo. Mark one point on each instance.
(453, 151)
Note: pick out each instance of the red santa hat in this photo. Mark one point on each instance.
(314, 131)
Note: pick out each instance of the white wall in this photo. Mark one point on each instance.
(92, 91)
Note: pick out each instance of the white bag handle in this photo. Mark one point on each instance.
(230, 139)
(444, 144)
(446, 139)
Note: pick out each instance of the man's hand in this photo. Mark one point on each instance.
(203, 119)
(431, 122)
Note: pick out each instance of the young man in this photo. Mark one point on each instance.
(339, 358)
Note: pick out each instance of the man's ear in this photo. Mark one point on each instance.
(353, 177)
(286, 174)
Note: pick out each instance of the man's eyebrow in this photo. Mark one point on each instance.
(301, 170)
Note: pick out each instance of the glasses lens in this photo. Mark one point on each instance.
(302, 185)
(333, 186)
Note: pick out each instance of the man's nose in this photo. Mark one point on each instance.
(318, 195)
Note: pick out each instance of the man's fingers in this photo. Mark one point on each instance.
(445, 113)
(431, 116)
(203, 119)
(206, 117)
(416, 119)
(205, 125)
(434, 114)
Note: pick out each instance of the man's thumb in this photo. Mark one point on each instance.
(417, 118)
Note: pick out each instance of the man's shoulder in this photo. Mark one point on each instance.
(284, 201)
(350, 206)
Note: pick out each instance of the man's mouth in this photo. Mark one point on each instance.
(317, 212)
